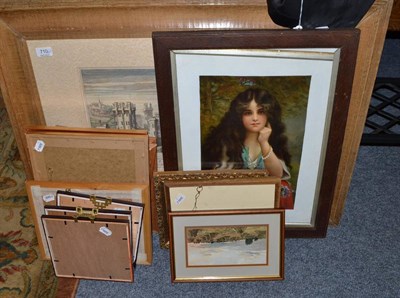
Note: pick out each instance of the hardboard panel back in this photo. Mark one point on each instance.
(91, 250)
(78, 200)
(88, 156)
(41, 193)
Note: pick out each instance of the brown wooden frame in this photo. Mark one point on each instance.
(23, 20)
(346, 40)
(272, 270)
(81, 146)
(164, 43)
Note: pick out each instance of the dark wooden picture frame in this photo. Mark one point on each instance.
(345, 40)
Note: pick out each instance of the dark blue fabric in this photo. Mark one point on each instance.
(318, 13)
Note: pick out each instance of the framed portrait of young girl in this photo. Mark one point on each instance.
(275, 100)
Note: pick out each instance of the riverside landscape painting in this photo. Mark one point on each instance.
(227, 245)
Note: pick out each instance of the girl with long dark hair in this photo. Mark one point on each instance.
(250, 135)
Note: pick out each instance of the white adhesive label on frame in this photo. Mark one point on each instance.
(39, 146)
(179, 199)
(106, 231)
(48, 198)
(44, 52)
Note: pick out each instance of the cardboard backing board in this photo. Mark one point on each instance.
(70, 199)
(87, 155)
(91, 250)
(41, 193)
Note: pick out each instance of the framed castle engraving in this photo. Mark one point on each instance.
(94, 90)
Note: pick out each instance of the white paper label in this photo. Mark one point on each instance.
(44, 52)
(179, 198)
(39, 146)
(48, 198)
(106, 231)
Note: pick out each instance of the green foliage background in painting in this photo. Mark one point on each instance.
(216, 93)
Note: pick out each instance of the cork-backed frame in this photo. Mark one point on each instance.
(76, 155)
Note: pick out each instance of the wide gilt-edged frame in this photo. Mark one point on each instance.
(211, 176)
(23, 20)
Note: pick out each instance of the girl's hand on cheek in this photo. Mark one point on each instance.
(264, 134)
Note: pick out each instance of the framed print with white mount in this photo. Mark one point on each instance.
(301, 81)
(227, 245)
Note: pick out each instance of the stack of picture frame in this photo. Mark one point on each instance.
(91, 195)
(221, 225)
(203, 78)
(104, 226)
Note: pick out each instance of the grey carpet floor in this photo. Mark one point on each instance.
(358, 258)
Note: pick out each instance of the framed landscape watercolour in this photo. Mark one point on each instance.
(227, 245)
(308, 76)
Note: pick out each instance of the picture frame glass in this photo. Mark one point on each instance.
(230, 252)
(302, 80)
(202, 245)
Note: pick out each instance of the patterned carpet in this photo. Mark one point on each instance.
(12, 175)
(22, 272)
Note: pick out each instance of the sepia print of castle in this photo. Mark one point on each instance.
(124, 115)
(122, 98)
